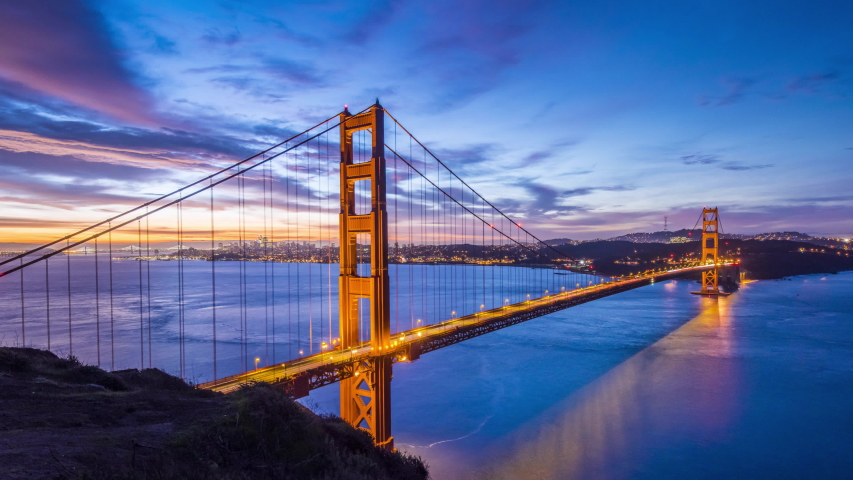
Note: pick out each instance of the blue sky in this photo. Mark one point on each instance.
(582, 119)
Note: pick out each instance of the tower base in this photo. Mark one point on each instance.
(712, 294)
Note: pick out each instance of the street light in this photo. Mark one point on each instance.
(257, 359)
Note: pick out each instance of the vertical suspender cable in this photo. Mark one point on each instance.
(266, 268)
(47, 295)
(68, 271)
(328, 165)
(148, 283)
(213, 279)
(23, 323)
(273, 261)
(139, 265)
(112, 305)
(181, 311)
(290, 258)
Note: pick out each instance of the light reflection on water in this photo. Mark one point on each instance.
(653, 383)
(596, 428)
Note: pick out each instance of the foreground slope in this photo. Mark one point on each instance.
(61, 419)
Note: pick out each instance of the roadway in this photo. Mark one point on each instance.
(341, 362)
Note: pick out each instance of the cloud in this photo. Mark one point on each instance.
(738, 167)
(835, 198)
(215, 36)
(299, 73)
(812, 83)
(736, 89)
(465, 53)
(62, 195)
(372, 22)
(62, 48)
(68, 166)
(549, 202)
(712, 159)
(266, 78)
(700, 159)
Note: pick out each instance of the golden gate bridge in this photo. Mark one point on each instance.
(325, 258)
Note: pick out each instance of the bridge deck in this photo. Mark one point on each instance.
(304, 374)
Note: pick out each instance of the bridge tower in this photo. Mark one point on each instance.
(366, 396)
(710, 251)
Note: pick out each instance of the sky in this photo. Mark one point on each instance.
(581, 119)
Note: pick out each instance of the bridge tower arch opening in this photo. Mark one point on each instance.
(366, 396)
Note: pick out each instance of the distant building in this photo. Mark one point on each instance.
(679, 240)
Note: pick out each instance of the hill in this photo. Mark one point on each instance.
(63, 420)
(761, 259)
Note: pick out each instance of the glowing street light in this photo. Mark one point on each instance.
(257, 359)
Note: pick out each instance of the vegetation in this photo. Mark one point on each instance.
(61, 419)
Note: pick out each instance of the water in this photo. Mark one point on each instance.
(651, 383)
(271, 312)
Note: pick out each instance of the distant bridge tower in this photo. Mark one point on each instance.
(710, 250)
(366, 396)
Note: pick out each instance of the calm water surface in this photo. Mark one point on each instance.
(652, 383)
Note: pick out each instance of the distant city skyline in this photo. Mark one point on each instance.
(582, 120)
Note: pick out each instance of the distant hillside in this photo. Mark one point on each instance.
(685, 235)
(762, 259)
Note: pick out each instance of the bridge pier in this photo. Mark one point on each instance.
(366, 396)
(366, 399)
